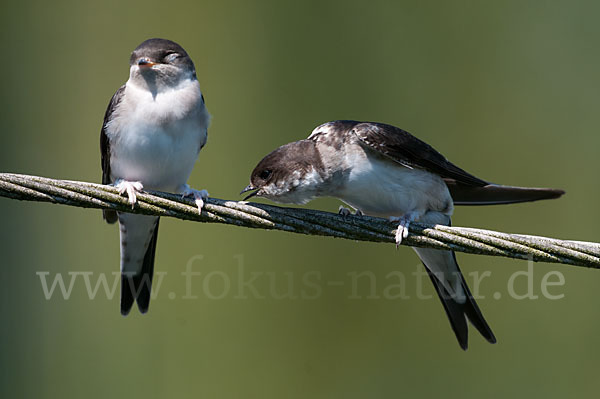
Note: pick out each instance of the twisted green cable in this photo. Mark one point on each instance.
(304, 221)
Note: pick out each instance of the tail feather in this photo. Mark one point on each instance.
(454, 310)
(137, 285)
(143, 299)
(459, 313)
(494, 194)
(459, 304)
(474, 314)
(136, 288)
(127, 293)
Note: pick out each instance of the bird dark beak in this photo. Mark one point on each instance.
(145, 62)
(249, 187)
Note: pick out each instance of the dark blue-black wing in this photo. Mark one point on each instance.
(404, 148)
(108, 215)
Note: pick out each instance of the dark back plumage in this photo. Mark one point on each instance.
(404, 148)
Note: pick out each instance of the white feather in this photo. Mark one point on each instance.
(155, 139)
(379, 187)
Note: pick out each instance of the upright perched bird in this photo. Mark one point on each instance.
(153, 130)
(381, 170)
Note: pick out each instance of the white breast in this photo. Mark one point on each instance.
(156, 139)
(381, 187)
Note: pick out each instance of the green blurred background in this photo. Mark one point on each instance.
(508, 90)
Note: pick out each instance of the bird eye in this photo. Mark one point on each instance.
(265, 174)
(171, 57)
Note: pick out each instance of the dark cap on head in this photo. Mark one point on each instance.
(277, 167)
(161, 51)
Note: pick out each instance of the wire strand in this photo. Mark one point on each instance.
(303, 221)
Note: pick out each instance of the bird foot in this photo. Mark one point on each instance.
(129, 187)
(343, 211)
(199, 196)
(403, 225)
